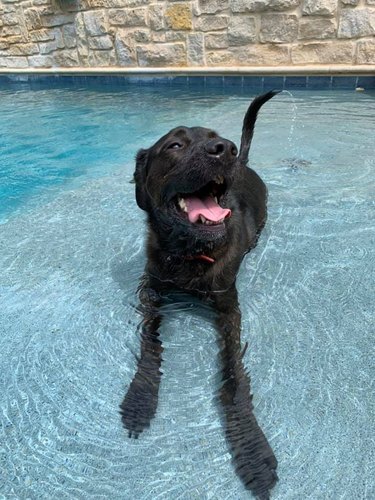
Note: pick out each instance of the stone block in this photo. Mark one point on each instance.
(82, 44)
(125, 49)
(156, 17)
(175, 36)
(141, 36)
(323, 53)
(45, 10)
(95, 22)
(241, 30)
(7, 8)
(103, 42)
(79, 25)
(211, 6)
(41, 35)
(278, 28)
(366, 52)
(350, 2)
(11, 39)
(14, 62)
(219, 58)
(195, 49)
(216, 41)
(355, 23)
(128, 17)
(317, 28)
(253, 55)
(22, 49)
(41, 61)
(57, 20)
(266, 55)
(69, 35)
(66, 58)
(178, 17)
(102, 58)
(262, 5)
(10, 31)
(10, 19)
(211, 23)
(319, 7)
(168, 54)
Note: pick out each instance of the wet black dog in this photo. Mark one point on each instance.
(205, 209)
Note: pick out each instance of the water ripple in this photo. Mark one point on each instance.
(70, 268)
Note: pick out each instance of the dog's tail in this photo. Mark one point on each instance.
(249, 123)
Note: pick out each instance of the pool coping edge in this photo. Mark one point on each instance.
(326, 70)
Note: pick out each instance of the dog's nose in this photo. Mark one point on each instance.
(221, 147)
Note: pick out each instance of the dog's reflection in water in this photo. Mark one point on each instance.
(206, 209)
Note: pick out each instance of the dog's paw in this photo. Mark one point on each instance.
(136, 416)
(139, 406)
(254, 460)
(258, 474)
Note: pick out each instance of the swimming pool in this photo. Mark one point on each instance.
(71, 254)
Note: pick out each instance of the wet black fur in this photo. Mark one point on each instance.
(182, 161)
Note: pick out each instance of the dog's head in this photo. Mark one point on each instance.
(183, 181)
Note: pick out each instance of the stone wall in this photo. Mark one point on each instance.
(152, 33)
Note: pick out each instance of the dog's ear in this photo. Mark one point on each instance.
(140, 176)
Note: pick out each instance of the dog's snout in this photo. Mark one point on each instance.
(221, 147)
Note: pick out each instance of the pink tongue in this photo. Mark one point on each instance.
(207, 207)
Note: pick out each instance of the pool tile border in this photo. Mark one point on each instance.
(235, 82)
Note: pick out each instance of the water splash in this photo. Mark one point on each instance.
(291, 140)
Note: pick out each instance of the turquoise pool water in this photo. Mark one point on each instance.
(71, 253)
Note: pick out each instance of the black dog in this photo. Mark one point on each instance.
(205, 209)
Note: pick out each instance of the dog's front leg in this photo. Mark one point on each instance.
(140, 403)
(253, 457)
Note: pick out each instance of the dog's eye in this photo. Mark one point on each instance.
(175, 145)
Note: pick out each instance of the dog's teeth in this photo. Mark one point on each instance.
(182, 204)
(215, 198)
(203, 219)
(219, 179)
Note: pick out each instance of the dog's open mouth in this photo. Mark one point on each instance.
(203, 206)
